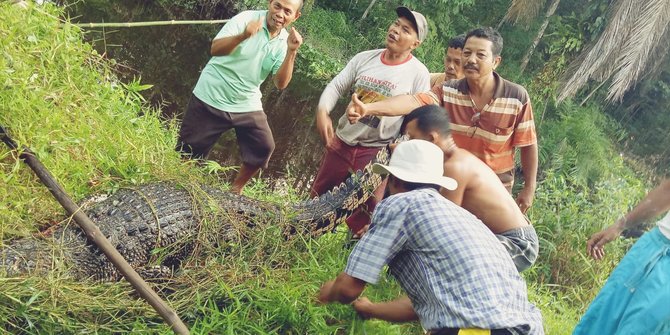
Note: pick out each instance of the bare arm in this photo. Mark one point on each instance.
(399, 310)
(285, 72)
(529, 167)
(653, 204)
(455, 196)
(393, 106)
(343, 289)
(324, 125)
(226, 45)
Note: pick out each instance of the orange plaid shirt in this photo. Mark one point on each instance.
(492, 134)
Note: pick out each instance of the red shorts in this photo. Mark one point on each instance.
(337, 165)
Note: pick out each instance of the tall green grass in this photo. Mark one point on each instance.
(63, 100)
(584, 186)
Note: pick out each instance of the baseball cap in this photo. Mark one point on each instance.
(417, 161)
(419, 21)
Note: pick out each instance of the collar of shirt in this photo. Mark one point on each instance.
(500, 86)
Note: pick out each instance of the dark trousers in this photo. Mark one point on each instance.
(203, 125)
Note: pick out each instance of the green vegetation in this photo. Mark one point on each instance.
(62, 100)
(96, 134)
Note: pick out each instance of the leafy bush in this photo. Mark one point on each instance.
(578, 143)
(584, 186)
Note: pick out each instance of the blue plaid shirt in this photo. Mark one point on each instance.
(454, 270)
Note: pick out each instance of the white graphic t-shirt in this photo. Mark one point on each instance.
(373, 80)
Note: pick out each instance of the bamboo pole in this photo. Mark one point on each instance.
(144, 24)
(95, 235)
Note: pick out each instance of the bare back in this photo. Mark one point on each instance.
(481, 192)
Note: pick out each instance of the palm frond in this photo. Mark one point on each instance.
(654, 68)
(643, 40)
(523, 11)
(596, 62)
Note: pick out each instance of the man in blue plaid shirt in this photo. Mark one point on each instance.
(456, 273)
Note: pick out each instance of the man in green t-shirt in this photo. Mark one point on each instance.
(248, 48)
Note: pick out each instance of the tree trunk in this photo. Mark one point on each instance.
(540, 33)
(367, 10)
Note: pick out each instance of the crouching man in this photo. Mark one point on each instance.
(455, 272)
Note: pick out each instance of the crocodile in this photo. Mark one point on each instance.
(142, 220)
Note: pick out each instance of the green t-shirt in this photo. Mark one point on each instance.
(232, 83)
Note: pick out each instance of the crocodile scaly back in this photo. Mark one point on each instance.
(323, 213)
(157, 226)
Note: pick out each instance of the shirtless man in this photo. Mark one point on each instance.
(479, 191)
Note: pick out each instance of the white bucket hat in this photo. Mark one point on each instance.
(417, 161)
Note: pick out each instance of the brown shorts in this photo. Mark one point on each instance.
(203, 125)
(507, 178)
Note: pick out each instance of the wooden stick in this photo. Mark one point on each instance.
(95, 235)
(144, 24)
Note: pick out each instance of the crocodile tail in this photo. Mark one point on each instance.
(323, 213)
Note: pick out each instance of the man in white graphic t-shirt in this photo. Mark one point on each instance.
(373, 75)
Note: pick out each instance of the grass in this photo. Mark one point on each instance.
(266, 286)
(62, 100)
(94, 133)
